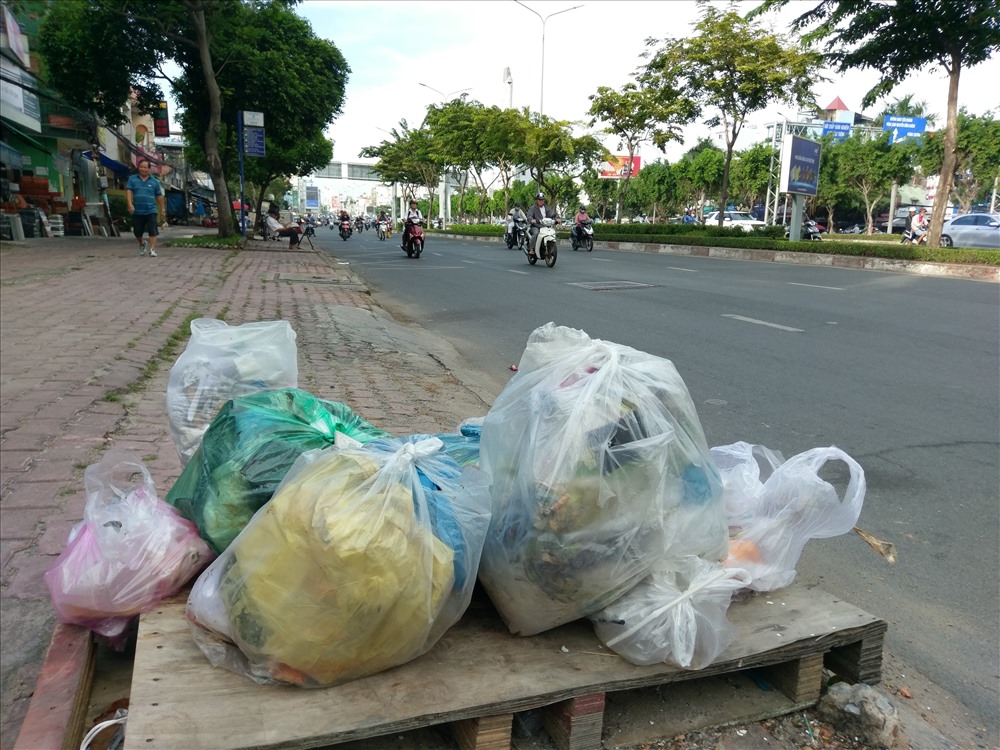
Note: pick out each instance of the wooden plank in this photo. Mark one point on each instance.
(860, 661)
(56, 713)
(478, 669)
(800, 679)
(577, 723)
(484, 732)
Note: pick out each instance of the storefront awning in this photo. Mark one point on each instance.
(204, 194)
(9, 156)
(107, 161)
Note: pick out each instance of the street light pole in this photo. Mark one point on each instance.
(541, 103)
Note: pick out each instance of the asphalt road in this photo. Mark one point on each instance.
(902, 372)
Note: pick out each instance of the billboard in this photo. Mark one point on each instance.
(799, 166)
(617, 167)
(312, 196)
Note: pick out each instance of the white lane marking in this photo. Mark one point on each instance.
(511, 270)
(603, 260)
(763, 323)
(675, 268)
(817, 286)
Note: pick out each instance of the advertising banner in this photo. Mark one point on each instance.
(618, 167)
(799, 165)
(312, 196)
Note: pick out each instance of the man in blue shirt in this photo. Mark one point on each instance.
(143, 193)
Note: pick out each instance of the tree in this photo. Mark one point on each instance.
(869, 166)
(637, 115)
(213, 41)
(550, 147)
(750, 174)
(412, 159)
(902, 38)
(977, 157)
(831, 190)
(655, 189)
(732, 67)
(700, 172)
(602, 194)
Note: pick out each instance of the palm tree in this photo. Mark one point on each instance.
(906, 107)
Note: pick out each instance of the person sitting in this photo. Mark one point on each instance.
(689, 217)
(412, 214)
(290, 230)
(581, 216)
(514, 215)
(535, 215)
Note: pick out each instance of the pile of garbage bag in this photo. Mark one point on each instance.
(361, 561)
(221, 362)
(587, 491)
(246, 451)
(130, 551)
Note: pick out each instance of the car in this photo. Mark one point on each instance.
(972, 230)
(734, 219)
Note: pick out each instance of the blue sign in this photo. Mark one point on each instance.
(799, 166)
(839, 130)
(253, 141)
(902, 127)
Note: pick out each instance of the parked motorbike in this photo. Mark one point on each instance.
(583, 236)
(381, 230)
(545, 244)
(520, 235)
(415, 243)
(345, 229)
(809, 231)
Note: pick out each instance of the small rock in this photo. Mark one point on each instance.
(905, 692)
(861, 710)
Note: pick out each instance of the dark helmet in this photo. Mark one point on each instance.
(540, 197)
(517, 205)
(582, 208)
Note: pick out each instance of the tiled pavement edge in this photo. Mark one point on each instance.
(86, 327)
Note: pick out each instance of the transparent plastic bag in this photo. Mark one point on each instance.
(676, 615)
(130, 551)
(599, 468)
(360, 562)
(771, 520)
(221, 362)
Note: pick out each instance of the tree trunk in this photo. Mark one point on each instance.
(623, 186)
(724, 193)
(950, 157)
(829, 220)
(227, 227)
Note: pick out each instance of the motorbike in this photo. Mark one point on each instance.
(381, 230)
(583, 236)
(359, 225)
(345, 229)
(809, 231)
(545, 244)
(912, 238)
(520, 235)
(415, 243)
(310, 229)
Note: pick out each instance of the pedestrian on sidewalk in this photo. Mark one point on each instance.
(144, 194)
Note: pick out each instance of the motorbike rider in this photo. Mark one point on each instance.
(412, 214)
(581, 216)
(344, 216)
(515, 214)
(536, 213)
(918, 224)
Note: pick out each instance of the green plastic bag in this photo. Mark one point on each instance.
(246, 451)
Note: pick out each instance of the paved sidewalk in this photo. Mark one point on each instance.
(84, 324)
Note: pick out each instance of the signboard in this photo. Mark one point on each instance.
(253, 141)
(617, 167)
(799, 166)
(312, 196)
(839, 130)
(161, 120)
(253, 119)
(902, 127)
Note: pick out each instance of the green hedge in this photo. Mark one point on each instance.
(771, 238)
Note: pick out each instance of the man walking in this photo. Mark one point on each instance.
(143, 193)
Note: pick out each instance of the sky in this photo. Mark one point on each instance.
(405, 56)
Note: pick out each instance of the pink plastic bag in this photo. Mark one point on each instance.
(130, 551)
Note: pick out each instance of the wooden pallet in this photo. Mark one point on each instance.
(476, 678)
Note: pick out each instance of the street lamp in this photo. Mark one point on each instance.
(541, 103)
(444, 97)
(509, 80)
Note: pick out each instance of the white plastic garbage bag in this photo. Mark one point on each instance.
(676, 615)
(770, 521)
(600, 468)
(222, 362)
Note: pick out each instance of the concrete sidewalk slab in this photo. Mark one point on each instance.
(86, 322)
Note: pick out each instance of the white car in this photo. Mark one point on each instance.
(972, 230)
(734, 219)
